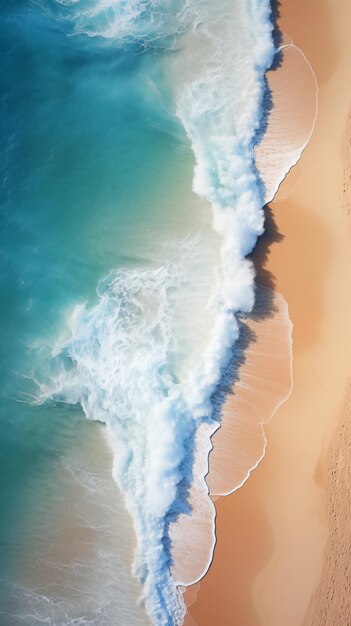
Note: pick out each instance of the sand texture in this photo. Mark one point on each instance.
(281, 553)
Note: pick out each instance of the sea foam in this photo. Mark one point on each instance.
(144, 22)
(121, 359)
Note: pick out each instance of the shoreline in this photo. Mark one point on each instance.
(272, 532)
(268, 329)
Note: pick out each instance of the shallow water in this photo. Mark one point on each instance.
(293, 90)
(80, 125)
(72, 550)
(121, 286)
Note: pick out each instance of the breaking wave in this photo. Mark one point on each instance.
(124, 361)
(143, 22)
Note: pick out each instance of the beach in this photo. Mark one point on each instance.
(144, 308)
(130, 205)
(280, 557)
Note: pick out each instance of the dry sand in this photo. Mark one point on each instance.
(331, 603)
(284, 539)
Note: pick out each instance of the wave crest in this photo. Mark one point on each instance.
(119, 365)
(121, 360)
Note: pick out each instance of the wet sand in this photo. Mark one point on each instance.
(277, 543)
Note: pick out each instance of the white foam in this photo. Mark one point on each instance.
(193, 535)
(240, 443)
(144, 21)
(120, 360)
(122, 351)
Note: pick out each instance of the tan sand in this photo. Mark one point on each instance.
(276, 553)
(331, 603)
(266, 375)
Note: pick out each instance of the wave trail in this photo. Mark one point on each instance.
(145, 22)
(122, 360)
(259, 376)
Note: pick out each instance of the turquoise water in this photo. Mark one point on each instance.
(92, 157)
(120, 286)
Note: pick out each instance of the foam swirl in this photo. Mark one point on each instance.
(120, 362)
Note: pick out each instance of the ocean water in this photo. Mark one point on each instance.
(130, 200)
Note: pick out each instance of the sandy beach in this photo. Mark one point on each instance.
(283, 539)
